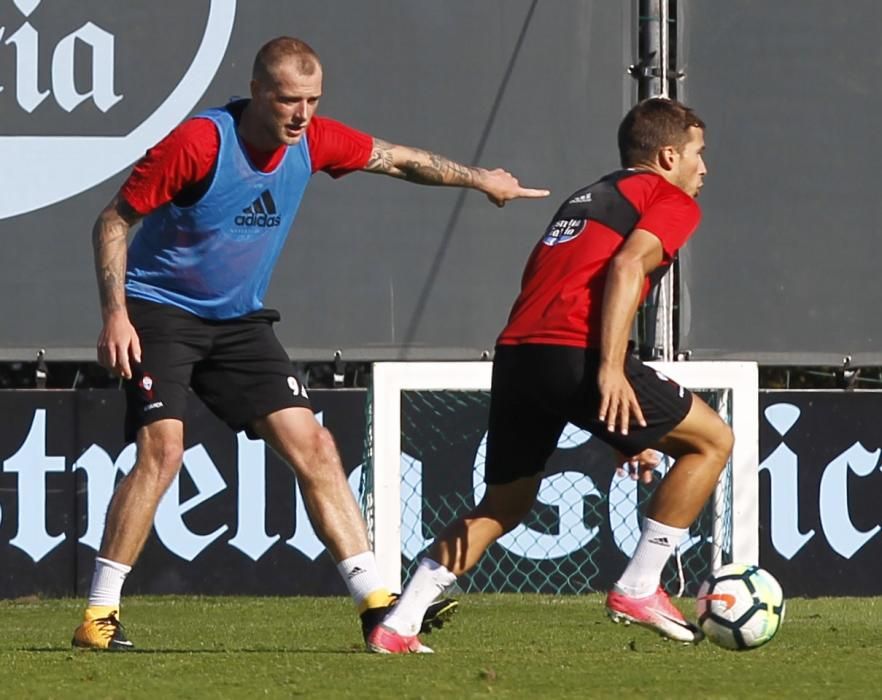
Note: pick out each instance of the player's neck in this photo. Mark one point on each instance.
(252, 137)
(263, 156)
(654, 169)
(646, 168)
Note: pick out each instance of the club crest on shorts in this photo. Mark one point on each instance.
(146, 385)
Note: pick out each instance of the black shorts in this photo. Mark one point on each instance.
(538, 389)
(237, 367)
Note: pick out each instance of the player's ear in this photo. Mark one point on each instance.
(667, 157)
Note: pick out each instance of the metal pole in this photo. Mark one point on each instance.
(652, 73)
(663, 46)
(649, 49)
(665, 319)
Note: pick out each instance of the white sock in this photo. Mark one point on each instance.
(107, 582)
(643, 573)
(362, 577)
(428, 582)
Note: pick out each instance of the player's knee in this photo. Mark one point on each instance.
(507, 519)
(507, 512)
(160, 460)
(326, 445)
(724, 441)
(512, 518)
(719, 444)
(712, 441)
(317, 456)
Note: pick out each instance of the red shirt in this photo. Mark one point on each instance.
(186, 156)
(562, 287)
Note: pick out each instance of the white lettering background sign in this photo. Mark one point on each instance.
(49, 169)
(32, 463)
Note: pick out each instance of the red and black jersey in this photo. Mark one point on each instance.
(178, 167)
(562, 287)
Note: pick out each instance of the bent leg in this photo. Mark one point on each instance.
(309, 449)
(129, 519)
(133, 506)
(456, 550)
(522, 434)
(701, 445)
(504, 506)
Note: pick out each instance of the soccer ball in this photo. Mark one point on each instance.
(740, 607)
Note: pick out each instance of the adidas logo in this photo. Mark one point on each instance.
(663, 541)
(357, 571)
(262, 212)
(581, 199)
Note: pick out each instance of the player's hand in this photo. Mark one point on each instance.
(639, 466)
(618, 402)
(501, 186)
(119, 345)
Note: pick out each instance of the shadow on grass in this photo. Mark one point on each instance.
(128, 652)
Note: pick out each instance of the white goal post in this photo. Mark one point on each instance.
(738, 381)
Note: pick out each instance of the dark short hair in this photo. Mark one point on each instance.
(281, 48)
(651, 125)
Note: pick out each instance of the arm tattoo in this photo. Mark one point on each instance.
(419, 166)
(381, 158)
(432, 169)
(109, 247)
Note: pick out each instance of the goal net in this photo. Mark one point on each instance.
(427, 432)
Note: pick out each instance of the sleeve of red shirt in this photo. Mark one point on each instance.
(182, 158)
(672, 217)
(335, 148)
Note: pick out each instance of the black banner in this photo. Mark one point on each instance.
(233, 523)
(820, 489)
(38, 521)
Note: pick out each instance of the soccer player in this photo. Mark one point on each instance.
(183, 308)
(564, 357)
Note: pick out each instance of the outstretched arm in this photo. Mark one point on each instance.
(118, 342)
(426, 168)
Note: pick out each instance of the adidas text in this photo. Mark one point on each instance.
(261, 213)
(262, 220)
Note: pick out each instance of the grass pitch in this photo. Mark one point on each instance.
(498, 646)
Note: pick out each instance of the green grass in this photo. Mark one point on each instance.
(498, 646)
